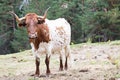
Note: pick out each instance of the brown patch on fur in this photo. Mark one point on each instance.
(60, 30)
(43, 35)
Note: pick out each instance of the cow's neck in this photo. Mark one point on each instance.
(43, 33)
(43, 36)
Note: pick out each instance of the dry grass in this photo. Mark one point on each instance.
(98, 61)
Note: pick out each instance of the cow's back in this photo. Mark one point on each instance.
(60, 33)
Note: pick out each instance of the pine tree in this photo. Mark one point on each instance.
(5, 26)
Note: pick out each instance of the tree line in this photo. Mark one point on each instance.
(90, 20)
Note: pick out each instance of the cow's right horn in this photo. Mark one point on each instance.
(17, 18)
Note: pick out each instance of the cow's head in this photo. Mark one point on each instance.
(31, 21)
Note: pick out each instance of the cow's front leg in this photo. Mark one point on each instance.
(37, 62)
(61, 60)
(47, 60)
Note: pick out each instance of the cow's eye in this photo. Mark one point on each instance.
(22, 23)
(41, 21)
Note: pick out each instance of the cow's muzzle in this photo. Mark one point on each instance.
(32, 35)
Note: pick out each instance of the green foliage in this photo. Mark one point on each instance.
(20, 41)
(90, 20)
(5, 27)
(98, 22)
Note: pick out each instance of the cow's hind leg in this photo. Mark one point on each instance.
(66, 63)
(61, 64)
(61, 60)
(47, 60)
(67, 54)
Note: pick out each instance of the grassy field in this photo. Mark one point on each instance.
(91, 61)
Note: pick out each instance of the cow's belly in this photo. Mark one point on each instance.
(51, 47)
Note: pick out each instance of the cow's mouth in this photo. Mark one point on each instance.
(32, 37)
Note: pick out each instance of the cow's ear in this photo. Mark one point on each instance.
(41, 21)
(22, 23)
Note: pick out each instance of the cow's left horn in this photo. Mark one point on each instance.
(45, 14)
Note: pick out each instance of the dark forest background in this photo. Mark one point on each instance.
(91, 20)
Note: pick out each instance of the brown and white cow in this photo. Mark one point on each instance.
(47, 37)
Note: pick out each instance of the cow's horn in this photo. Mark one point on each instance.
(45, 14)
(17, 18)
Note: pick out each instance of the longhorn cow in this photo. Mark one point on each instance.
(47, 37)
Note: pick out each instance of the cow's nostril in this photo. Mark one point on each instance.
(36, 33)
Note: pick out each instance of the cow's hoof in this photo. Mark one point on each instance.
(60, 69)
(48, 72)
(66, 68)
(47, 75)
(35, 75)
